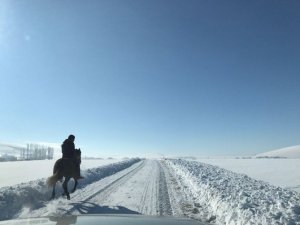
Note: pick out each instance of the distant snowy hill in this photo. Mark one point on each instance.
(292, 152)
(9, 149)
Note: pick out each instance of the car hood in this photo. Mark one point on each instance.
(104, 219)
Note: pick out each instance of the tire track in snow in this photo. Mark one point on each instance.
(61, 206)
(144, 199)
(138, 192)
(104, 193)
(143, 190)
(164, 199)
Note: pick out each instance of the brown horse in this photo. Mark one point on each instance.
(68, 168)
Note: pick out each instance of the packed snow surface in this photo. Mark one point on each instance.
(177, 188)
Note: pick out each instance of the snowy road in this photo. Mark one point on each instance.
(139, 189)
(159, 187)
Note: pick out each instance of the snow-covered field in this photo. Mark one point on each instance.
(16, 172)
(279, 172)
(158, 187)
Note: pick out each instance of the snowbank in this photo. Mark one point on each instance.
(35, 194)
(278, 172)
(233, 198)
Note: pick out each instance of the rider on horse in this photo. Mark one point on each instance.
(68, 150)
(67, 167)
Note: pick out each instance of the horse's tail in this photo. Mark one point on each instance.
(51, 181)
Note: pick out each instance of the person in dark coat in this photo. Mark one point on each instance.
(68, 147)
(68, 150)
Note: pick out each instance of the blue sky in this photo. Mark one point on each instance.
(199, 78)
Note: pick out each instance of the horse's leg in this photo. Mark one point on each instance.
(53, 192)
(65, 186)
(63, 193)
(75, 185)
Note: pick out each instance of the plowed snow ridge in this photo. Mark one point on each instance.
(232, 198)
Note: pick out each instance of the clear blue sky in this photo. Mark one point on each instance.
(162, 76)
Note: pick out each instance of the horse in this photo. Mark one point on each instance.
(68, 168)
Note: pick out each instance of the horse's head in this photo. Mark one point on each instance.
(77, 155)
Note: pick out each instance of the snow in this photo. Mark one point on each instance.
(35, 194)
(231, 198)
(279, 172)
(133, 190)
(12, 173)
(168, 187)
(292, 152)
